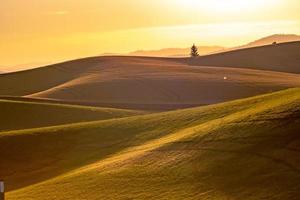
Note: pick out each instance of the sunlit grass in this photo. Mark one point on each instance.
(237, 150)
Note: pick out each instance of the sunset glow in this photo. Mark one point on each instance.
(228, 6)
(149, 99)
(51, 31)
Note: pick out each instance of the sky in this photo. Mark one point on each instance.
(37, 32)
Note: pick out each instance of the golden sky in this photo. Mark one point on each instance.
(43, 31)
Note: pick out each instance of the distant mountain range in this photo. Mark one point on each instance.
(7, 69)
(177, 52)
(205, 50)
(278, 38)
(2, 69)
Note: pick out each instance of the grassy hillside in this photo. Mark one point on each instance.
(283, 57)
(245, 149)
(24, 114)
(43, 78)
(147, 83)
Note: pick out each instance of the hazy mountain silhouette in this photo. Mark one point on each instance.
(177, 52)
(204, 50)
(278, 38)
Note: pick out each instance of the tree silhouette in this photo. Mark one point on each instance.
(194, 51)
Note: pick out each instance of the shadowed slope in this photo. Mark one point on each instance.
(23, 114)
(227, 151)
(144, 83)
(164, 84)
(35, 80)
(160, 83)
(283, 57)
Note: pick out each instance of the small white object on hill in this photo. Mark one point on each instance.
(1, 187)
(225, 78)
(2, 195)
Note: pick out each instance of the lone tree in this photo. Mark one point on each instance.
(194, 51)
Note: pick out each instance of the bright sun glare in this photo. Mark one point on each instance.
(224, 6)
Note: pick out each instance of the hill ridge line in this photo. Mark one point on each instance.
(186, 133)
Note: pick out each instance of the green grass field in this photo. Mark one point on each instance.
(244, 149)
(24, 114)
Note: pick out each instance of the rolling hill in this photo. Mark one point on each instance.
(160, 83)
(278, 38)
(205, 50)
(283, 57)
(25, 114)
(244, 149)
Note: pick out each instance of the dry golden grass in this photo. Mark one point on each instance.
(24, 114)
